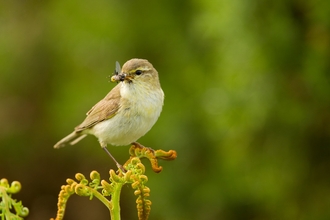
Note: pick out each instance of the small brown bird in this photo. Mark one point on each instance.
(127, 112)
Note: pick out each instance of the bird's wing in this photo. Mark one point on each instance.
(103, 110)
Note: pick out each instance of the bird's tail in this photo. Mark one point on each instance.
(71, 139)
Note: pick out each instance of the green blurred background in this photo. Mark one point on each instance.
(247, 87)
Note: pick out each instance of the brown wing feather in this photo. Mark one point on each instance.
(103, 110)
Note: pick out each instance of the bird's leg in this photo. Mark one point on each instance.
(118, 164)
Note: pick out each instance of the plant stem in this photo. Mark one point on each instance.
(100, 197)
(114, 203)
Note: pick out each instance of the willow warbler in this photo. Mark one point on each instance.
(127, 112)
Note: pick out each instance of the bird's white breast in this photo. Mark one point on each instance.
(139, 110)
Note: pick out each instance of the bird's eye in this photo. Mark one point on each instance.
(138, 72)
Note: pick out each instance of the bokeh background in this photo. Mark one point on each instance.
(247, 105)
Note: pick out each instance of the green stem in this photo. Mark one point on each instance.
(114, 203)
(100, 197)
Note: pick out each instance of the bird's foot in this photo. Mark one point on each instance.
(138, 145)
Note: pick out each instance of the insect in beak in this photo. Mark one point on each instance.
(118, 68)
(116, 77)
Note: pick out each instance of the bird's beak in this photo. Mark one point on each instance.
(119, 77)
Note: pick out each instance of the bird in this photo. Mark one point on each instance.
(127, 112)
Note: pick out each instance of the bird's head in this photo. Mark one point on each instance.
(136, 71)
